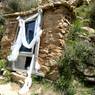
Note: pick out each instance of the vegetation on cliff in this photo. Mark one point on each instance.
(77, 63)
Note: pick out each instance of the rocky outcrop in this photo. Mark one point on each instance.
(56, 19)
(86, 70)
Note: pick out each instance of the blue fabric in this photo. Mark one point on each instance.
(29, 34)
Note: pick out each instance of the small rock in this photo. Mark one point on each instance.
(90, 79)
(88, 29)
(92, 38)
(90, 71)
(45, 69)
(39, 91)
(5, 38)
(53, 75)
(65, 24)
(60, 36)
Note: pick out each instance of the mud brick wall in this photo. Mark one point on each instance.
(56, 20)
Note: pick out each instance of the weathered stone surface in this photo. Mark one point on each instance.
(53, 74)
(17, 77)
(88, 30)
(1, 7)
(8, 37)
(90, 71)
(92, 38)
(91, 80)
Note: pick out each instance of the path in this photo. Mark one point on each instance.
(39, 89)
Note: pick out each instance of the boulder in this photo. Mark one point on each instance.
(88, 29)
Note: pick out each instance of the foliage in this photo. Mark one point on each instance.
(75, 29)
(83, 11)
(13, 5)
(79, 53)
(27, 5)
(2, 20)
(64, 83)
(92, 16)
(75, 61)
(1, 31)
(87, 14)
(6, 73)
(2, 64)
(19, 5)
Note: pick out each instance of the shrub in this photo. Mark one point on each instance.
(78, 55)
(64, 83)
(14, 5)
(6, 73)
(2, 20)
(92, 16)
(28, 4)
(87, 14)
(75, 30)
(83, 11)
(21, 5)
(2, 64)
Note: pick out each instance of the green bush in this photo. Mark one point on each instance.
(14, 5)
(83, 11)
(21, 5)
(87, 14)
(2, 20)
(28, 4)
(7, 75)
(75, 30)
(92, 16)
(64, 83)
(2, 64)
(3, 70)
(78, 55)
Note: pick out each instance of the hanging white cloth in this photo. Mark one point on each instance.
(21, 39)
(37, 34)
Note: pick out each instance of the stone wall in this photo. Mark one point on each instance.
(9, 35)
(56, 20)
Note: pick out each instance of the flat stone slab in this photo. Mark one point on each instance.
(9, 89)
(36, 89)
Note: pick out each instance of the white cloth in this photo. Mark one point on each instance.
(21, 39)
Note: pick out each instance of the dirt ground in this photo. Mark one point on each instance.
(36, 89)
(9, 89)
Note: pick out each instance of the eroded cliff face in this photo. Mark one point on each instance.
(56, 20)
(9, 35)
